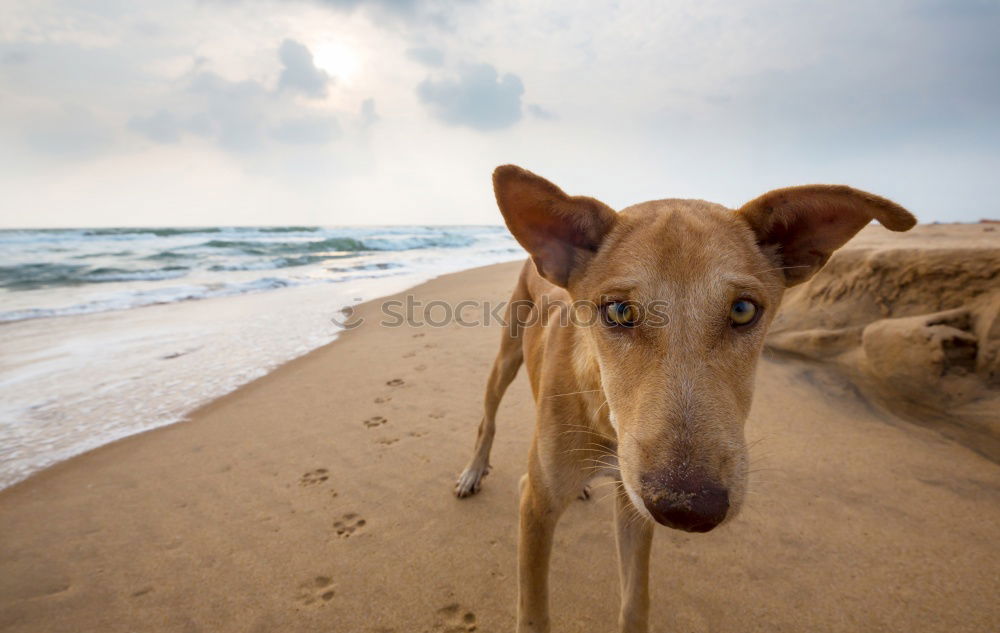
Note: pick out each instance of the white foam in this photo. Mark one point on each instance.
(73, 383)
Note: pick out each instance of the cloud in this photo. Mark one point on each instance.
(394, 8)
(161, 127)
(478, 98)
(697, 100)
(300, 72)
(849, 100)
(539, 112)
(427, 55)
(397, 5)
(240, 116)
(244, 116)
(231, 112)
(368, 115)
(308, 130)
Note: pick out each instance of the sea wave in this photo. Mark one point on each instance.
(157, 232)
(39, 275)
(166, 255)
(103, 255)
(287, 229)
(34, 276)
(342, 244)
(122, 268)
(249, 247)
(106, 275)
(172, 294)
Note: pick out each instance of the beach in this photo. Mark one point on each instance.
(111, 332)
(319, 498)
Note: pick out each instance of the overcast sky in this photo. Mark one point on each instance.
(119, 112)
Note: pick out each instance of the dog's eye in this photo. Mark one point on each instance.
(621, 313)
(743, 312)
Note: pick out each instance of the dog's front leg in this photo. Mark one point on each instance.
(634, 535)
(540, 510)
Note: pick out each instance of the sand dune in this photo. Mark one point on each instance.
(318, 498)
(915, 323)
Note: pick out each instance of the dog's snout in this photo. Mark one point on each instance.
(692, 504)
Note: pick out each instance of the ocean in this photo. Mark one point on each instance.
(110, 332)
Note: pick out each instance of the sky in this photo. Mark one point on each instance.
(340, 112)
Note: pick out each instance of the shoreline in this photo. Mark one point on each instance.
(74, 383)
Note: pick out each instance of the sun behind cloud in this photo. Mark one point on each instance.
(337, 59)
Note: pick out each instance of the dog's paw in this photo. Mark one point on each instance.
(584, 494)
(470, 481)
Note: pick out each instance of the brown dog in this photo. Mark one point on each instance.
(641, 331)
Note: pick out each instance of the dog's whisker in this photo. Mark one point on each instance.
(596, 448)
(615, 483)
(767, 270)
(634, 515)
(757, 441)
(595, 466)
(603, 486)
(613, 492)
(587, 450)
(600, 459)
(604, 446)
(573, 393)
(602, 464)
(607, 460)
(606, 464)
(590, 429)
(601, 456)
(601, 407)
(605, 441)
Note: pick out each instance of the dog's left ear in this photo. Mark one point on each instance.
(802, 226)
(560, 232)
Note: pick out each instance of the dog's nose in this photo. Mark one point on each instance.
(690, 504)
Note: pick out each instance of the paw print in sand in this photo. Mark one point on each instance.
(349, 524)
(375, 421)
(316, 591)
(453, 619)
(314, 477)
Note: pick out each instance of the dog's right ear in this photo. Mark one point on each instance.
(560, 232)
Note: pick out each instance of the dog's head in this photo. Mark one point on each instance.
(683, 291)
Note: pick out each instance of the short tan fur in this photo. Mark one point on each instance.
(657, 404)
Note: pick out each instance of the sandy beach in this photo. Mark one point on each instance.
(118, 331)
(319, 498)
